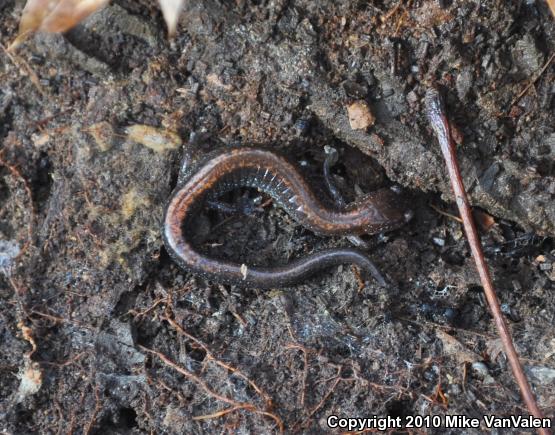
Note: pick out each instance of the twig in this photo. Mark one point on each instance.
(305, 367)
(235, 405)
(25, 68)
(59, 319)
(222, 412)
(444, 213)
(97, 407)
(74, 412)
(326, 396)
(211, 357)
(190, 375)
(391, 12)
(523, 92)
(435, 111)
(137, 314)
(66, 363)
(16, 173)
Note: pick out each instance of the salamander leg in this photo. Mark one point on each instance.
(331, 159)
(245, 205)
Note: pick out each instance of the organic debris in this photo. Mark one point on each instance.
(154, 138)
(54, 16)
(61, 15)
(170, 10)
(30, 380)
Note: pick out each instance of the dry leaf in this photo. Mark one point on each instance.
(551, 4)
(494, 348)
(171, 10)
(68, 13)
(54, 16)
(454, 348)
(34, 13)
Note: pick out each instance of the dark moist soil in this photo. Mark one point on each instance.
(102, 333)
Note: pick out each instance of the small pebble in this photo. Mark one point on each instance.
(482, 372)
(430, 376)
(360, 116)
(510, 313)
(450, 314)
(480, 369)
(9, 250)
(439, 242)
(388, 92)
(412, 97)
(426, 308)
(302, 126)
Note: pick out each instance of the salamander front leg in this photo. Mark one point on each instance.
(245, 205)
(331, 159)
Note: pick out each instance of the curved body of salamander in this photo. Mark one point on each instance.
(276, 176)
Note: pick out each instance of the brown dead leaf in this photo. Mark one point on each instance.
(551, 4)
(68, 13)
(54, 16)
(170, 11)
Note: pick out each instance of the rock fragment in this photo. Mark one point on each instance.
(360, 116)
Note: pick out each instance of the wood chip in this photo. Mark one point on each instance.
(54, 16)
(154, 138)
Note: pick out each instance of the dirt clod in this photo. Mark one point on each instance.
(360, 116)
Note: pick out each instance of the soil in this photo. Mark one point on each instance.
(102, 333)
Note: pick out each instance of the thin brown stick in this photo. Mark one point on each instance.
(222, 412)
(325, 398)
(305, 368)
(211, 357)
(16, 173)
(24, 68)
(534, 80)
(235, 405)
(438, 120)
(444, 213)
(198, 381)
(97, 407)
(391, 12)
